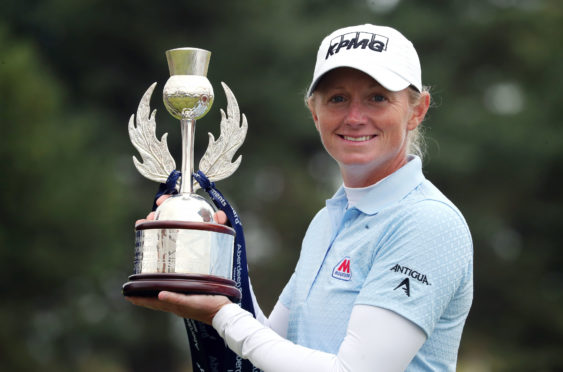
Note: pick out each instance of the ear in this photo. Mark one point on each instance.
(419, 111)
(313, 110)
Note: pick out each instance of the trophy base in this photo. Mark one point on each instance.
(149, 285)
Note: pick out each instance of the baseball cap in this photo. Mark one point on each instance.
(379, 51)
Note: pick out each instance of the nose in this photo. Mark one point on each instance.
(356, 114)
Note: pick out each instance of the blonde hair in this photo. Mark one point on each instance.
(416, 144)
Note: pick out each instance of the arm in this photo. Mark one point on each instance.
(376, 340)
(278, 319)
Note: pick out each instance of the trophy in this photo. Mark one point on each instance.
(183, 250)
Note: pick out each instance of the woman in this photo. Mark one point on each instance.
(384, 281)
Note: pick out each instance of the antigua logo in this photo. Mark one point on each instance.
(342, 270)
(406, 286)
(422, 278)
(355, 40)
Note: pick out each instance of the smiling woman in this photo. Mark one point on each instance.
(384, 281)
(364, 126)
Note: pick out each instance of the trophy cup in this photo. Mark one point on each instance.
(183, 250)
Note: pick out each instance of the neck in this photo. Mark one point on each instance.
(363, 175)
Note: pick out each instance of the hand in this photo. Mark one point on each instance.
(218, 217)
(197, 307)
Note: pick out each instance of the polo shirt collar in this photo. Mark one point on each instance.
(388, 191)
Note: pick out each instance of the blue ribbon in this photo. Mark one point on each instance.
(169, 187)
(240, 267)
(208, 350)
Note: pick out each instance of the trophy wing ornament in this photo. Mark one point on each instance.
(157, 161)
(217, 162)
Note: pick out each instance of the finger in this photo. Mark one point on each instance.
(140, 221)
(198, 307)
(220, 217)
(171, 297)
(150, 217)
(179, 300)
(162, 198)
(148, 302)
(185, 306)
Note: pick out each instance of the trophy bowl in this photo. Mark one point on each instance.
(183, 250)
(191, 257)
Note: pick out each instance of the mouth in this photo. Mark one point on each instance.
(358, 138)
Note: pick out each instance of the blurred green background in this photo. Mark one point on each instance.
(72, 73)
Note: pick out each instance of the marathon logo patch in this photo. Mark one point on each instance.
(355, 40)
(342, 270)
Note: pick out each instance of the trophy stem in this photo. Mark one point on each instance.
(188, 132)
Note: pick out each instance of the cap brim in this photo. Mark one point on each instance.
(388, 79)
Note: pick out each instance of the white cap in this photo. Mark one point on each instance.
(381, 52)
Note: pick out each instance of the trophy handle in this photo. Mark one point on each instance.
(217, 162)
(157, 162)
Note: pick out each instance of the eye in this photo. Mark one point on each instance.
(379, 98)
(336, 99)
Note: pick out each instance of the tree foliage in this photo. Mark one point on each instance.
(71, 74)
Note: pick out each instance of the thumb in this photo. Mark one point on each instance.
(220, 217)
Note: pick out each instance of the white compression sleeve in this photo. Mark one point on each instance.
(279, 317)
(257, 310)
(376, 340)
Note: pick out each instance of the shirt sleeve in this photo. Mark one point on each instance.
(419, 264)
(376, 340)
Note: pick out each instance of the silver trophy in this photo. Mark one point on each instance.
(183, 249)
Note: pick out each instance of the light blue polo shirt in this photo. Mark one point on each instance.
(404, 247)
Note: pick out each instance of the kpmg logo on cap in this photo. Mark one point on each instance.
(355, 40)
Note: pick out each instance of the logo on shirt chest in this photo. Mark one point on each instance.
(342, 270)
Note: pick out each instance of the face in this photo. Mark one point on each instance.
(363, 126)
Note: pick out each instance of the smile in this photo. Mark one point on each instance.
(358, 139)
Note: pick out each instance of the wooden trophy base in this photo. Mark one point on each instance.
(149, 285)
